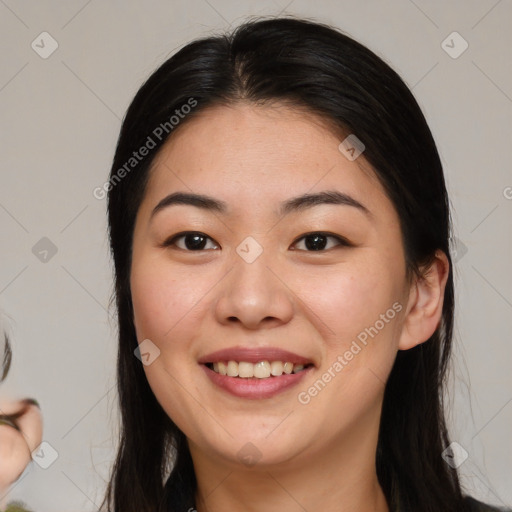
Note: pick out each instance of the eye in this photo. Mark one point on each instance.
(319, 240)
(192, 241)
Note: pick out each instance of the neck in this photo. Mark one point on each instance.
(339, 478)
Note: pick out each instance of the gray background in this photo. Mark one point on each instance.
(60, 120)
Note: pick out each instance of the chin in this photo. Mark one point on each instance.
(258, 452)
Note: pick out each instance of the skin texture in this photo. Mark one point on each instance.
(16, 446)
(318, 456)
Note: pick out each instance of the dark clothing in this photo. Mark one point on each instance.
(478, 506)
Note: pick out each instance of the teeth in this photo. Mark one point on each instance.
(260, 370)
(245, 370)
(276, 368)
(232, 369)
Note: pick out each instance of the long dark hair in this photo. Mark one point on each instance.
(312, 66)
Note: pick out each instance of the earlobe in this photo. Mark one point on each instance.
(425, 304)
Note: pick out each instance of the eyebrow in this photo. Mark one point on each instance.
(294, 204)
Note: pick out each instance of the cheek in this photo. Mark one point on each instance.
(349, 299)
(359, 311)
(160, 298)
(166, 302)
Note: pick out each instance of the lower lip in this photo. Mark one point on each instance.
(254, 388)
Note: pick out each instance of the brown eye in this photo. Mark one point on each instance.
(319, 241)
(190, 241)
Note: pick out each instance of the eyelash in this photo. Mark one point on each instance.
(341, 241)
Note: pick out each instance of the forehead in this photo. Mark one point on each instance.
(251, 154)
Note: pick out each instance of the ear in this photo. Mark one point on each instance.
(425, 304)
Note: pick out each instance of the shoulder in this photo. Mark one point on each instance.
(478, 506)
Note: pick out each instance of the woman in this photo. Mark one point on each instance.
(20, 434)
(280, 230)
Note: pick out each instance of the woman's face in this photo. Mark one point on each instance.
(266, 270)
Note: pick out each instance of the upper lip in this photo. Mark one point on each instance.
(254, 355)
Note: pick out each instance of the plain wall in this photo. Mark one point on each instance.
(60, 121)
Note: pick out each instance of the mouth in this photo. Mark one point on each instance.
(255, 373)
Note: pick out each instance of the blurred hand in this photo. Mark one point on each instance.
(21, 432)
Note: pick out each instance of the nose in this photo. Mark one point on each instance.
(254, 295)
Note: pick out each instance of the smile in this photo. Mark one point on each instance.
(255, 372)
(259, 370)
